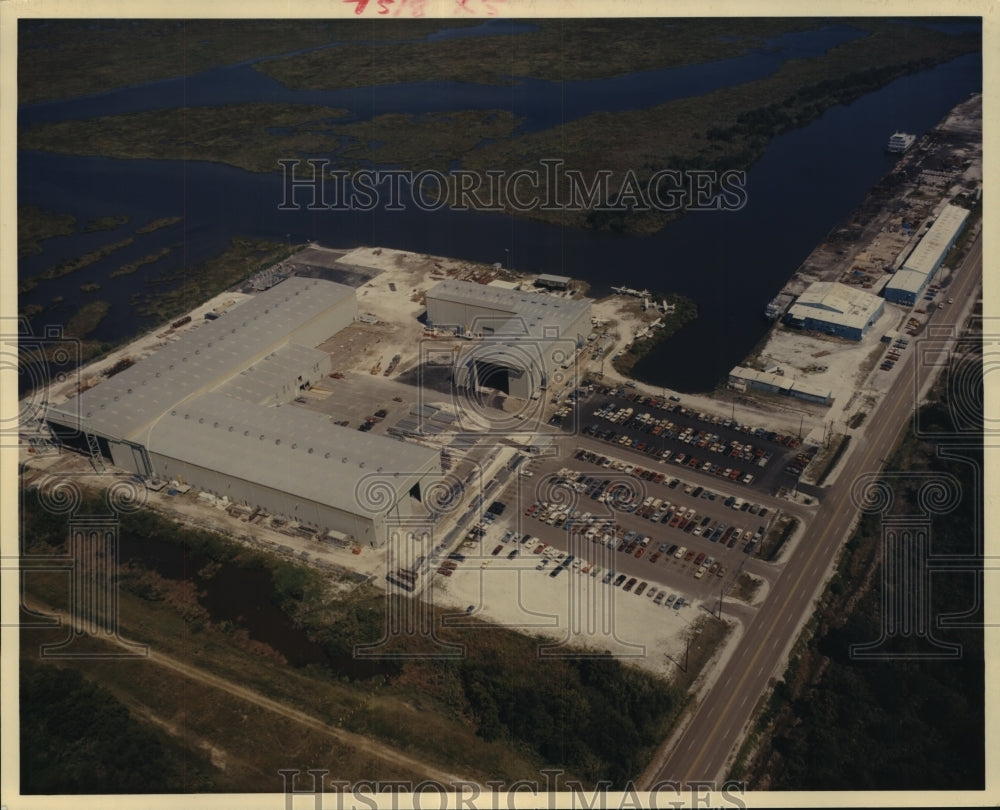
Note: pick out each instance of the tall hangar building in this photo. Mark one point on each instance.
(212, 410)
(527, 337)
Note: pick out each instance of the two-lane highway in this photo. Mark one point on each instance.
(717, 724)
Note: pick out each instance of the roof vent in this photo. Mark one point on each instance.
(230, 428)
(277, 441)
(310, 449)
(343, 460)
(173, 412)
(326, 455)
(215, 425)
(201, 420)
(128, 391)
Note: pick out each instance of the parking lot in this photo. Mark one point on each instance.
(658, 429)
(568, 568)
(574, 516)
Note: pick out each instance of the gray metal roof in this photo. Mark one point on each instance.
(201, 359)
(531, 312)
(276, 378)
(935, 243)
(289, 449)
(836, 303)
(911, 281)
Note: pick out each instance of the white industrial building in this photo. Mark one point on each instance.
(526, 338)
(827, 306)
(212, 409)
(910, 280)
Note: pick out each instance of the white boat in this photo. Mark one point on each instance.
(900, 142)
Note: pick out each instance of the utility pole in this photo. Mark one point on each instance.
(687, 649)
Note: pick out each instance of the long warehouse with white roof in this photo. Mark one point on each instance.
(906, 286)
(212, 410)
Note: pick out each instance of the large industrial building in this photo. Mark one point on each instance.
(741, 378)
(909, 282)
(212, 409)
(526, 337)
(836, 309)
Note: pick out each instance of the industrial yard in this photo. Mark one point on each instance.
(563, 440)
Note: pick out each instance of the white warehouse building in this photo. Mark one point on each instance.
(906, 286)
(212, 410)
(526, 337)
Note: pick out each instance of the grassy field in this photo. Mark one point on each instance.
(86, 319)
(613, 47)
(499, 712)
(65, 58)
(241, 135)
(256, 136)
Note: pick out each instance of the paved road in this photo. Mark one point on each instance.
(717, 725)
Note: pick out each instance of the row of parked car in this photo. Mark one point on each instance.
(666, 429)
(894, 354)
(658, 403)
(620, 496)
(678, 457)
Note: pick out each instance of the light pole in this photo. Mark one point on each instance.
(507, 259)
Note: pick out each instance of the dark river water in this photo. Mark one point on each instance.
(730, 263)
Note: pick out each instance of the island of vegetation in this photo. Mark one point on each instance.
(726, 129)
(677, 310)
